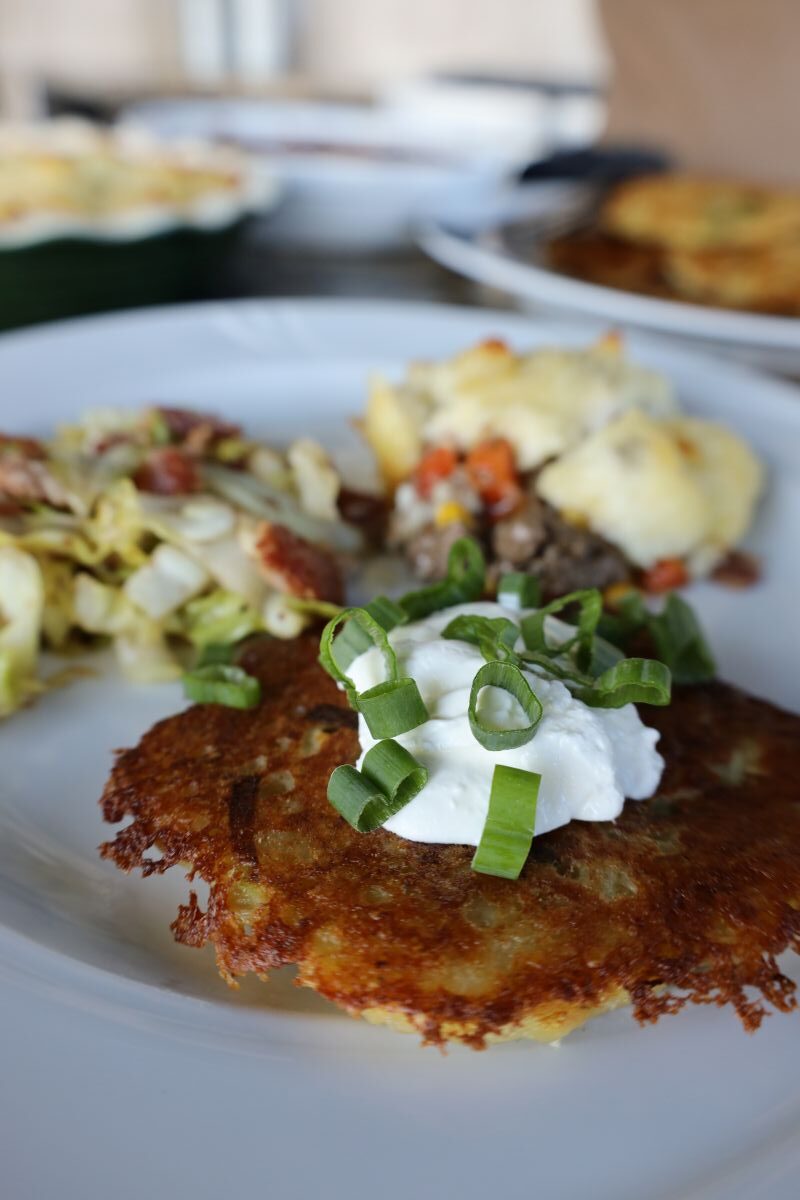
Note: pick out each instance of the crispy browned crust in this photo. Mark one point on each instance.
(755, 281)
(689, 896)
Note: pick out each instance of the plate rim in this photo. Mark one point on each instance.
(786, 397)
(459, 249)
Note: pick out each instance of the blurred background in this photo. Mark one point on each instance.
(110, 51)
(356, 124)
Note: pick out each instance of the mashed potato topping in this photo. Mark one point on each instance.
(659, 489)
(600, 439)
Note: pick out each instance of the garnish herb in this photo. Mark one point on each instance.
(218, 683)
(518, 590)
(389, 778)
(465, 581)
(675, 631)
(353, 640)
(510, 679)
(390, 708)
(507, 835)
(590, 606)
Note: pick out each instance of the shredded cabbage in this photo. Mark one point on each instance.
(165, 583)
(139, 641)
(21, 609)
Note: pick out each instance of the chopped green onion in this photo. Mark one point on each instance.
(220, 684)
(676, 632)
(390, 777)
(465, 580)
(680, 642)
(494, 636)
(507, 835)
(519, 590)
(386, 612)
(630, 681)
(353, 641)
(391, 708)
(590, 603)
(314, 608)
(510, 679)
(329, 650)
(604, 656)
(219, 617)
(215, 653)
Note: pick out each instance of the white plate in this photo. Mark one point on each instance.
(129, 1069)
(469, 235)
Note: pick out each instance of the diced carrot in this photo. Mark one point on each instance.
(434, 465)
(493, 474)
(667, 574)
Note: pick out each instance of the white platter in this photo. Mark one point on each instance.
(129, 1069)
(469, 235)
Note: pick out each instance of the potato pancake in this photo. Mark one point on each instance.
(686, 212)
(687, 897)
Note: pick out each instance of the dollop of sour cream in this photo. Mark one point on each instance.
(590, 759)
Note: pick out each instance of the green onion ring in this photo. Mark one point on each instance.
(630, 681)
(494, 636)
(507, 835)
(508, 677)
(377, 636)
(465, 581)
(591, 608)
(519, 590)
(391, 708)
(353, 640)
(221, 684)
(217, 652)
(680, 642)
(390, 777)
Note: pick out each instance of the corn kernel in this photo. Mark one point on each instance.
(450, 512)
(615, 593)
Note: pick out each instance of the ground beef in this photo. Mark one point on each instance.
(428, 550)
(534, 539)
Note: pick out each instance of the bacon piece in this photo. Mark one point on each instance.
(738, 570)
(23, 447)
(182, 423)
(168, 471)
(294, 565)
(29, 480)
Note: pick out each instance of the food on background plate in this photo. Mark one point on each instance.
(337, 826)
(574, 465)
(709, 241)
(687, 212)
(68, 177)
(158, 529)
